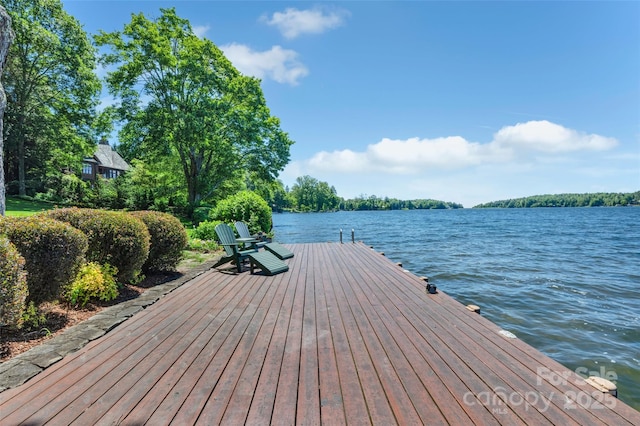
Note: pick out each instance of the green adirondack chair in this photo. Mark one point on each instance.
(267, 262)
(280, 251)
(232, 251)
(243, 231)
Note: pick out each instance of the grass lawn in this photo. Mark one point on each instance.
(22, 207)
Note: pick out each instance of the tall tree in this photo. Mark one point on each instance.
(52, 89)
(6, 38)
(310, 194)
(183, 103)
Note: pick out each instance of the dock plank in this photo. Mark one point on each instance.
(97, 367)
(421, 357)
(210, 368)
(351, 398)
(346, 336)
(308, 410)
(261, 410)
(243, 395)
(286, 398)
(450, 346)
(134, 376)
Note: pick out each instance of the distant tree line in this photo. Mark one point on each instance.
(309, 194)
(375, 203)
(599, 199)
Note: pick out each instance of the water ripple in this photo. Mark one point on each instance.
(563, 280)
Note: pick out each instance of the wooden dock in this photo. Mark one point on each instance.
(344, 337)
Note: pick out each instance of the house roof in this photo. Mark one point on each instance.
(107, 157)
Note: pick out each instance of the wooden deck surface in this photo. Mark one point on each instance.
(344, 337)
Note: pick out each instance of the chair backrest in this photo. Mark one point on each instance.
(227, 237)
(243, 230)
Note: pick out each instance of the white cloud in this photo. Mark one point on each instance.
(545, 136)
(277, 64)
(415, 155)
(529, 158)
(201, 30)
(293, 22)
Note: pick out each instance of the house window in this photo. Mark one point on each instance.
(87, 169)
(110, 174)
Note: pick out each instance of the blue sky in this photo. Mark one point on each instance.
(467, 102)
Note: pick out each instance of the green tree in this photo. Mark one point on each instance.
(302, 193)
(198, 114)
(280, 199)
(6, 38)
(52, 91)
(310, 194)
(273, 192)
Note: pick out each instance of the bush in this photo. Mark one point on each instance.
(13, 285)
(93, 281)
(116, 238)
(33, 318)
(206, 230)
(53, 253)
(200, 214)
(246, 206)
(104, 193)
(32, 187)
(67, 189)
(168, 239)
(160, 204)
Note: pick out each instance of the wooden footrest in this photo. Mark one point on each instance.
(267, 262)
(279, 250)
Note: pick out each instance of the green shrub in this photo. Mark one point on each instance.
(104, 193)
(200, 214)
(53, 253)
(246, 206)
(116, 238)
(67, 189)
(13, 285)
(33, 318)
(93, 281)
(160, 204)
(206, 230)
(168, 239)
(203, 246)
(32, 187)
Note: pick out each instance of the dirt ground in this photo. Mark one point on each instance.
(61, 316)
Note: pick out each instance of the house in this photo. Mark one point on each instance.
(106, 162)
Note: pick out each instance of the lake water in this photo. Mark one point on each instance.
(564, 280)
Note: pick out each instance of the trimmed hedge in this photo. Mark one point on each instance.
(168, 239)
(115, 238)
(13, 285)
(53, 253)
